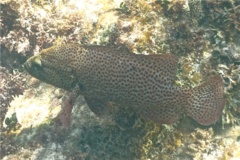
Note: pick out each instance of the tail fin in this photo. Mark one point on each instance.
(206, 102)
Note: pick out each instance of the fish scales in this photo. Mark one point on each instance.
(142, 82)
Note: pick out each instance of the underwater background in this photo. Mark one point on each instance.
(204, 34)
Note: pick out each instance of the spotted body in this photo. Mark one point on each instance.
(143, 82)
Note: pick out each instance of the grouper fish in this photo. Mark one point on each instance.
(144, 83)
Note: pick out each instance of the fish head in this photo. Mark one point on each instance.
(51, 67)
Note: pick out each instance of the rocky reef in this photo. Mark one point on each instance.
(203, 34)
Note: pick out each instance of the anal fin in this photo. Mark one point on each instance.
(99, 107)
(163, 114)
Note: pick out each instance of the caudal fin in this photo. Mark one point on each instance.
(206, 102)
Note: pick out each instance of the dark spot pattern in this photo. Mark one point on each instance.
(145, 83)
(206, 101)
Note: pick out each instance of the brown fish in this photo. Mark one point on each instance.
(142, 82)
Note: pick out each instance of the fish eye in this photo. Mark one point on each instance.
(36, 66)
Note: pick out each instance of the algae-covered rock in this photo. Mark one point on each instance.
(203, 34)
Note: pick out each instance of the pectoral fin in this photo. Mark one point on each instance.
(64, 116)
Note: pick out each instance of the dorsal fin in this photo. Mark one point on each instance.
(121, 49)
